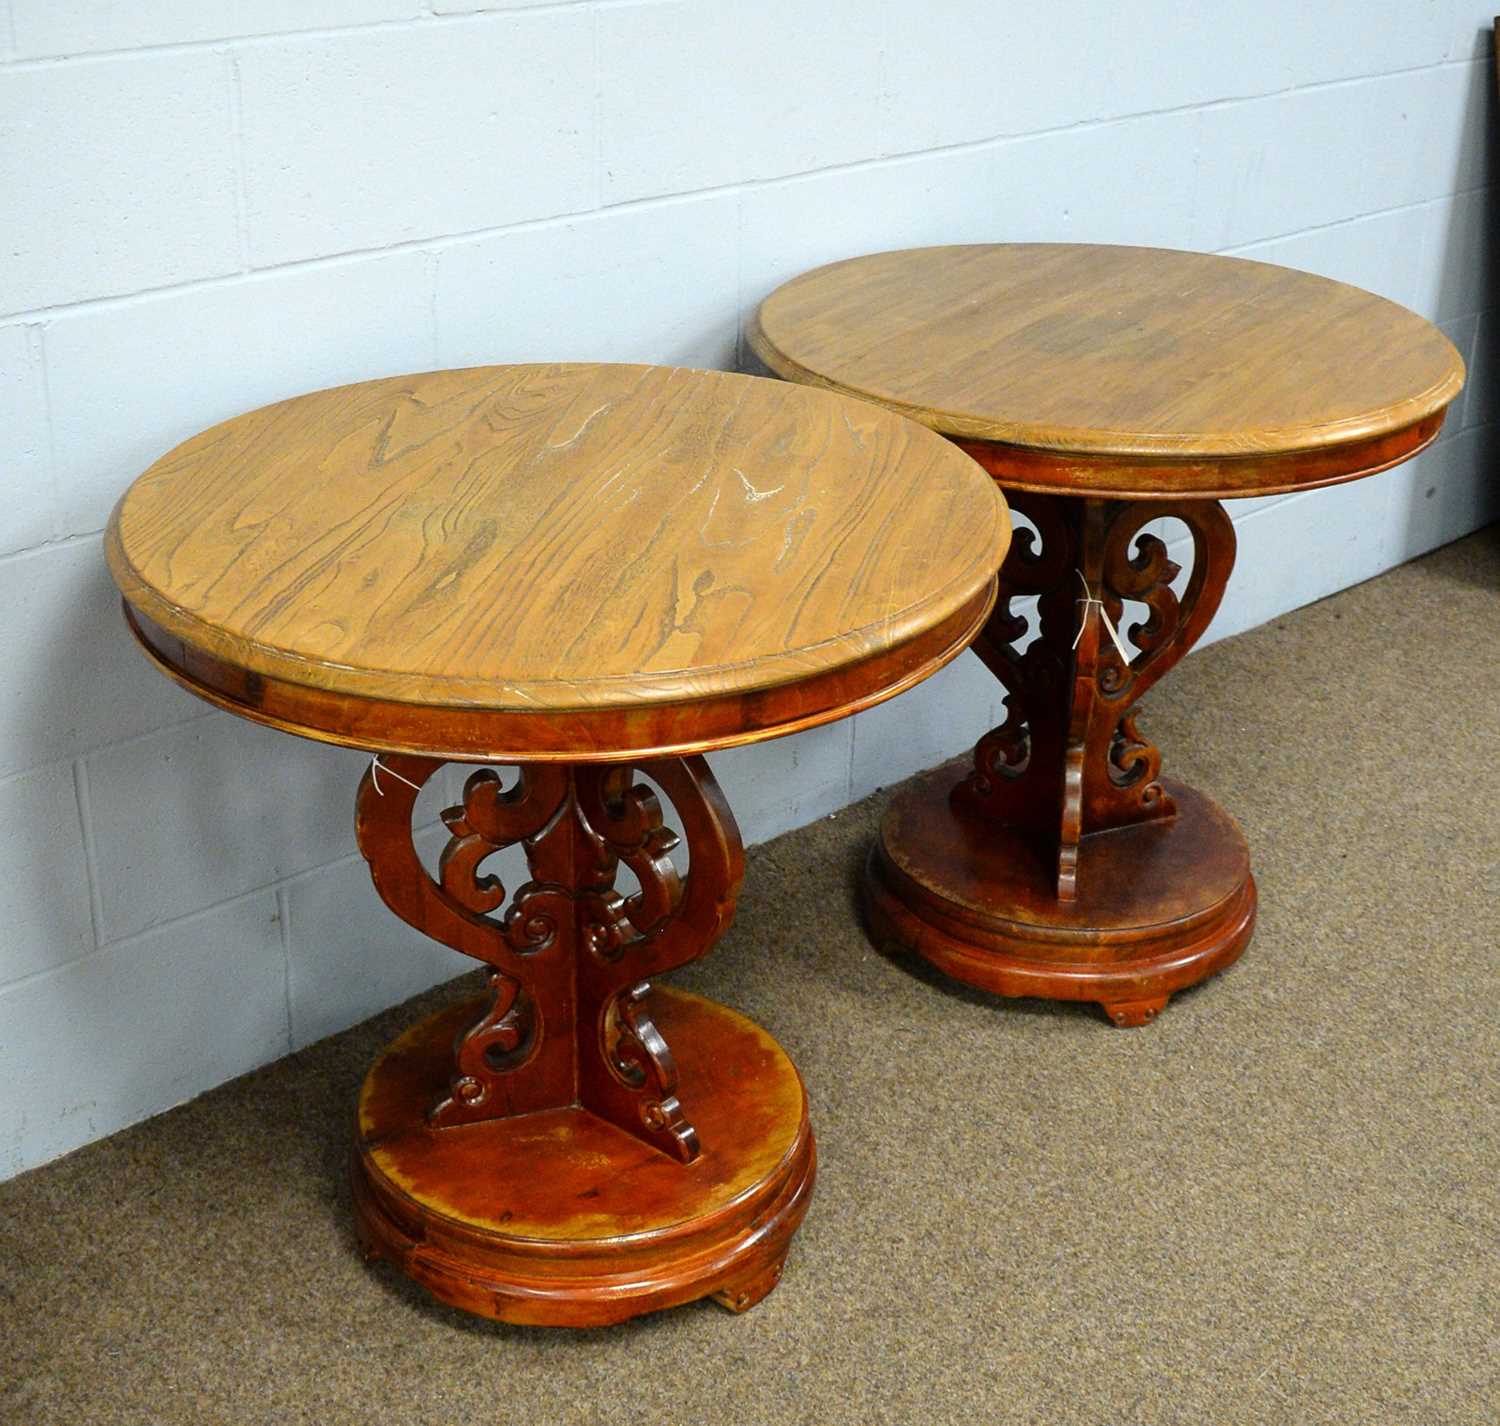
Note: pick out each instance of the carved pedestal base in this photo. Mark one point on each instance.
(1063, 864)
(560, 1218)
(577, 1146)
(1161, 904)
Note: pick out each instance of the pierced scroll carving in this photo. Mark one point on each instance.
(1016, 764)
(1070, 760)
(571, 958)
(499, 1042)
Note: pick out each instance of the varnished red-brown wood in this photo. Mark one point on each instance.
(1161, 903)
(556, 1153)
(571, 960)
(1126, 478)
(559, 1218)
(1070, 761)
(464, 734)
(1104, 388)
(1141, 895)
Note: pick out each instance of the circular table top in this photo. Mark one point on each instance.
(1120, 370)
(565, 560)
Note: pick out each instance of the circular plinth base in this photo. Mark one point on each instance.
(1160, 905)
(559, 1218)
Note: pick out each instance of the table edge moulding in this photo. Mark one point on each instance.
(577, 1145)
(1107, 388)
(1127, 462)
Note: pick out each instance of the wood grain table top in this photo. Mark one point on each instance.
(551, 538)
(1182, 373)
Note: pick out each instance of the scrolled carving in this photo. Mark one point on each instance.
(510, 1061)
(638, 1056)
(1146, 574)
(1133, 762)
(571, 958)
(501, 1041)
(1069, 759)
(632, 1079)
(1015, 764)
(1003, 752)
(627, 818)
(537, 916)
(1123, 783)
(467, 849)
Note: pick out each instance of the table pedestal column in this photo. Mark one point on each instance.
(575, 1148)
(1063, 865)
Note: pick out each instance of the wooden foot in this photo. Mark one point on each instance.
(1135, 1012)
(743, 1295)
(1162, 904)
(559, 1218)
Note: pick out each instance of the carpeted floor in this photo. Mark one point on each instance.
(1277, 1204)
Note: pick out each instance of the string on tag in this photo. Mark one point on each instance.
(1087, 601)
(377, 767)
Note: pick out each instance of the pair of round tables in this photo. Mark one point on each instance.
(598, 573)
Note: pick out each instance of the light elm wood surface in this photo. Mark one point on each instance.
(1177, 364)
(536, 538)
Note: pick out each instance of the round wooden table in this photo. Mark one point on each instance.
(1104, 388)
(596, 573)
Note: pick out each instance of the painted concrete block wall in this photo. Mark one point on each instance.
(212, 204)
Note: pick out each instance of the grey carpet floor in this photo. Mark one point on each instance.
(1277, 1204)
